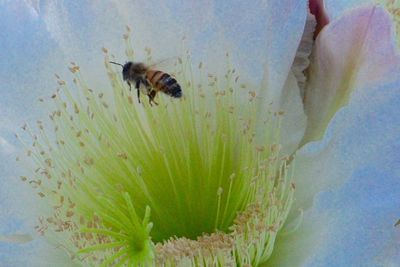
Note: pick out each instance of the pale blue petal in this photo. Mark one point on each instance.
(352, 225)
(335, 79)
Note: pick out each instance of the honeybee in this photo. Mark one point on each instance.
(153, 81)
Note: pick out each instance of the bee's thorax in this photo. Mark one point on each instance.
(133, 71)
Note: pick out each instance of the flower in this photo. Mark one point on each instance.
(220, 161)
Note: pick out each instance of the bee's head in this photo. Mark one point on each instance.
(131, 69)
(126, 70)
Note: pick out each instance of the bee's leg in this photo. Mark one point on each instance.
(152, 95)
(138, 90)
(138, 95)
(149, 99)
(150, 91)
(148, 85)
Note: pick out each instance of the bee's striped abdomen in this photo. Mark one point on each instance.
(163, 82)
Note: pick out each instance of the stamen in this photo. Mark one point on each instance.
(219, 194)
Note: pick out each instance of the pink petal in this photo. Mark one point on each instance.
(356, 51)
(317, 8)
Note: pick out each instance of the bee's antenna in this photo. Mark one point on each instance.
(112, 62)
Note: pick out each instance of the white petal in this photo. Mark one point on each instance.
(35, 254)
(336, 8)
(282, 40)
(302, 61)
(263, 34)
(257, 33)
(260, 34)
(293, 120)
(16, 238)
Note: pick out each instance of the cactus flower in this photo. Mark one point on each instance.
(281, 152)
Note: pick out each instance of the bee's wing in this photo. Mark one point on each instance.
(163, 63)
